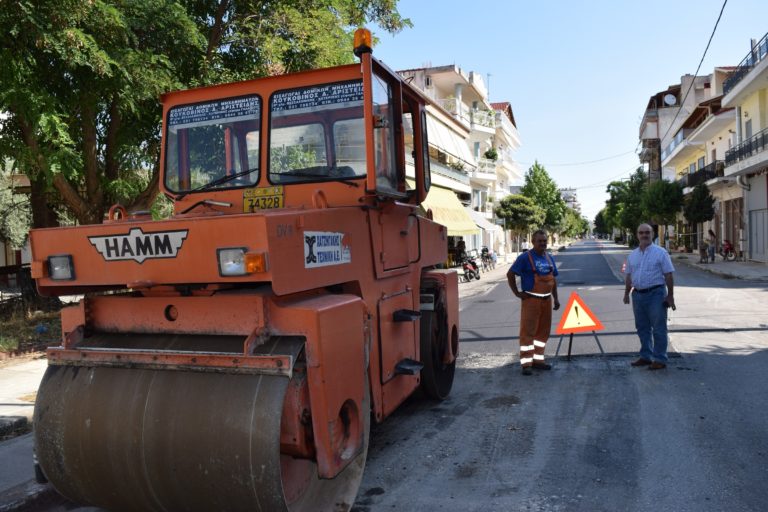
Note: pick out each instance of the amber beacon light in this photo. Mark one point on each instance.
(363, 41)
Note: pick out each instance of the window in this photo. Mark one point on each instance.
(692, 168)
(701, 163)
(213, 144)
(384, 136)
(317, 133)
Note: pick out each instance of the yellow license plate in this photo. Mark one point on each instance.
(262, 198)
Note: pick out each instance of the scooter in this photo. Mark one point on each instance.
(469, 266)
(727, 251)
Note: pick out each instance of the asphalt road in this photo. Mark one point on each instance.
(593, 434)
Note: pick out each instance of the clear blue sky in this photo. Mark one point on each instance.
(578, 74)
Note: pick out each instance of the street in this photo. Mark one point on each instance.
(592, 434)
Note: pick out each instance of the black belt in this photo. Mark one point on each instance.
(646, 290)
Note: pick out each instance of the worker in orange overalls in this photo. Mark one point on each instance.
(538, 272)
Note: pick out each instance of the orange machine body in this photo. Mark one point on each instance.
(340, 264)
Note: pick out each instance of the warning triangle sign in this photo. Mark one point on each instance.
(577, 317)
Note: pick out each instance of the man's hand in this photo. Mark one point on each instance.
(626, 297)
(557, 305)
(671, 301)
(522, 295)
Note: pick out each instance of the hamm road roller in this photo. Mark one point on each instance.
(233, 356)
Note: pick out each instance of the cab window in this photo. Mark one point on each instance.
(213, 144)
(316, 133)
(384, 136)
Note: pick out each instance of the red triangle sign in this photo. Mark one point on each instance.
(577, 317)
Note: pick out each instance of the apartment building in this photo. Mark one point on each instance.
(471, 147)
(696, 154)
(746, 91)
(571, 198)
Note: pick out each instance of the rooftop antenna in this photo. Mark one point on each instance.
(488, 85)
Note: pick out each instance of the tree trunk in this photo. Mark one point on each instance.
(43, 215)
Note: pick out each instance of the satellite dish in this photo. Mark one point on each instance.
(670, 99)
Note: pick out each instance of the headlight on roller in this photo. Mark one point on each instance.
(237, 261)
(61, 268)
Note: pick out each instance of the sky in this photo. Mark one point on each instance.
(578, 74)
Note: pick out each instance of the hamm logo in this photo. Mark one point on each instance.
(139, 246)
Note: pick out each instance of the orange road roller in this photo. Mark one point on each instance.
(233, 356)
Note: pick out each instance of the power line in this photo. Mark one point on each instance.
(697, 70)
(582, 163)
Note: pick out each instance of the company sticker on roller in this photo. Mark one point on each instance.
(139, 246)
(325, 248)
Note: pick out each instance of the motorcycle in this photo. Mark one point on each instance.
(471, 271)
(727, 251)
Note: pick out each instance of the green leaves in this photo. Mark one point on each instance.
(661, 201)
(520, 213)
(544, 193)
(700, 205)
(81, 80)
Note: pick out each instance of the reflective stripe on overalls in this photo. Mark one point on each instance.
(536, 316)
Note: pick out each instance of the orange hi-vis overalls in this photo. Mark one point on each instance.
(536, 316)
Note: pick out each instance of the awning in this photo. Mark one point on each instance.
(445, 139)
(448, 211)
(483, 223)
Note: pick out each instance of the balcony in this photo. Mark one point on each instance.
(455, 108)
(676, 142)
(706, 173)
(483, 119)
(485, 172)
(448, 172)
(758, 53)
(747, 149)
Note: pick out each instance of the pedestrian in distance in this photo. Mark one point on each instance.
(650, 282)
(538, 272)
(712, 246)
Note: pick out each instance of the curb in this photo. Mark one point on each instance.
(28, 497)
(10, 424)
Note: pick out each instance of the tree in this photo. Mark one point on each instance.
(602, 226)
(700, 206)
(572, 224)
(623, 208)
(80, 81)
(520, 213)
(661, 201)
(543, 191)
(15, 216)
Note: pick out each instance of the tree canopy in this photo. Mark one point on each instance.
(520, 213)
(700, 205)
(661, 201)
(80, 81)
(542, 189)
(624, 206)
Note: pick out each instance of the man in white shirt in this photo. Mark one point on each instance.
(649, 278)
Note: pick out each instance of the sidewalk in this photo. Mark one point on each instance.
(747, 270)
(615, 254)
(19, 381)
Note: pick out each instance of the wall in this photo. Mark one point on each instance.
(757, 197)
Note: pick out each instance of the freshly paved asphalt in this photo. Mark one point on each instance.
(592, 434)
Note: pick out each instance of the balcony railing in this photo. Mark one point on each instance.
(483, 118)
(746, 149)
(679, 138)
(706, 173)
(455, 107)
(757, 54)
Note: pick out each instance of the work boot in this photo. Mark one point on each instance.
(641, 362)
(657, 366)
(542, 366)
(527, 370)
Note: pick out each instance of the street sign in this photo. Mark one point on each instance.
(577, 317)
